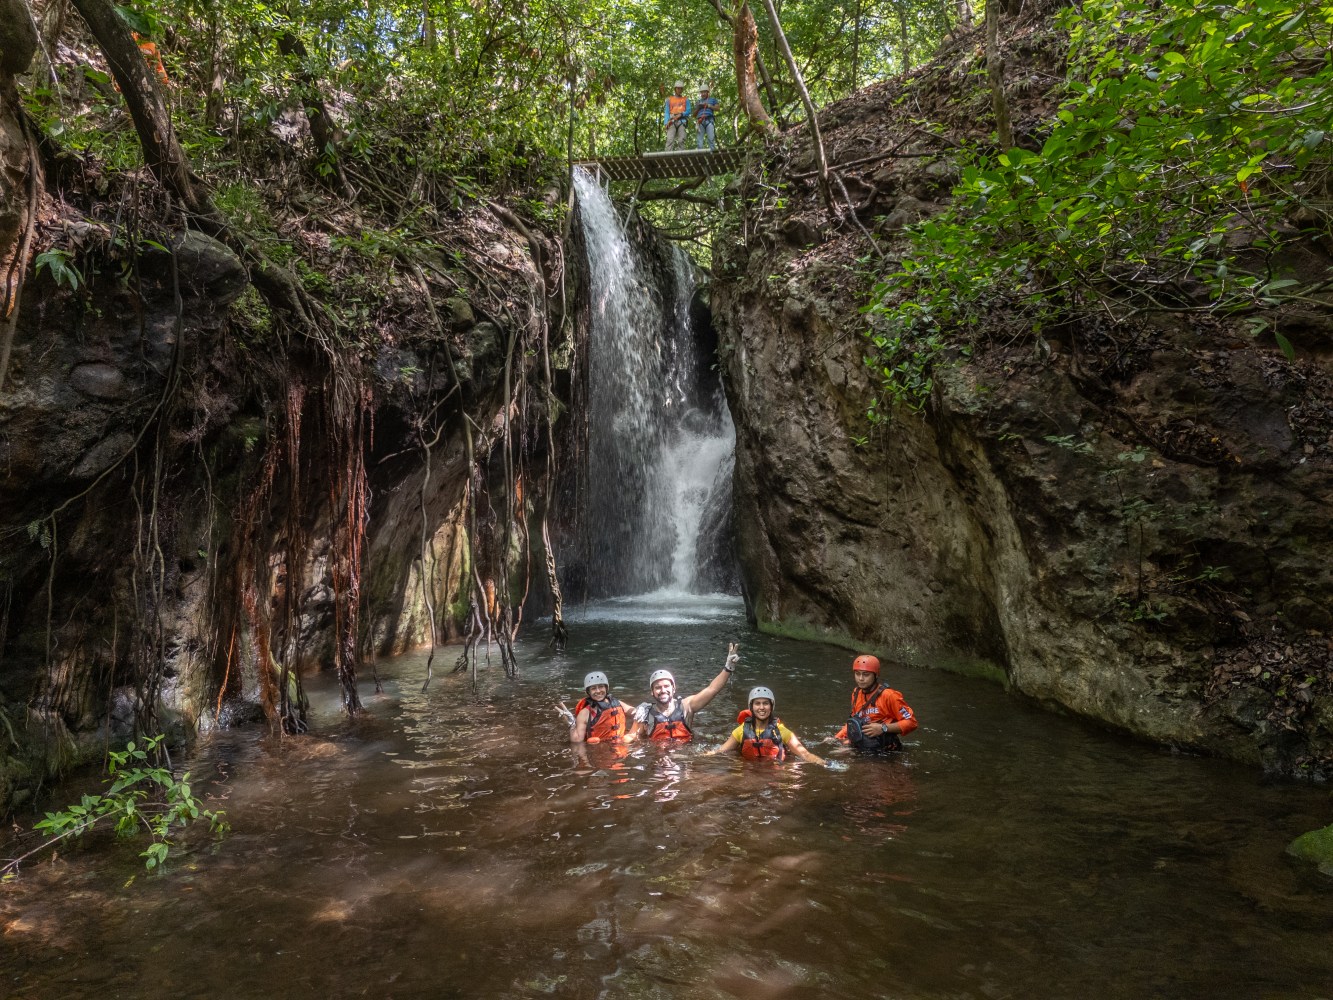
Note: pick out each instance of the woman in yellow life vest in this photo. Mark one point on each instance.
(761, 734)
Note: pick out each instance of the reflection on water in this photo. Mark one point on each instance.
(450, 844)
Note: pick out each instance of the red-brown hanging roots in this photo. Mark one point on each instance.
(252, 582)
(248, 575)
(349, 503)
(291, 701)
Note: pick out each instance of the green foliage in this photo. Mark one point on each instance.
(40, 532)
(906, 365)
(1070, 443)
(142, 797)
(60, 264)
(1195, 141)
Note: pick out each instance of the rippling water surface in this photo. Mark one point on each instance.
(450, 844)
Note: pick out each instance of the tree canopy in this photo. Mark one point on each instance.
(492, 91)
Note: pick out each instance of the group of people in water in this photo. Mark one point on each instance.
(879, 716)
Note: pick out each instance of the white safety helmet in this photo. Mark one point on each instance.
(596, 677)
(761, 692)
(678, 85)
(705, 89)
(658, 675)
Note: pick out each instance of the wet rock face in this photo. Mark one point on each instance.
(84, 367)
(1134, 526)
(88, 369)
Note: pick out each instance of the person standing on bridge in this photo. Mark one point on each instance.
(675, 114)
(704, 112)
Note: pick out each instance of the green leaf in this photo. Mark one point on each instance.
(1285, 345)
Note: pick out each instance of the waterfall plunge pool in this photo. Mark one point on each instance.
(450, 844)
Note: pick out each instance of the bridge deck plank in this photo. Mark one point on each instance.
(665, 166)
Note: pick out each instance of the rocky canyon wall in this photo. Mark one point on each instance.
(1131, 524)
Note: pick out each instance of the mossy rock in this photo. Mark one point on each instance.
(1316, 846)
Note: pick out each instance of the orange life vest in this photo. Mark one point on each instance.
(676, 106)
(606, 720)
(762, 746)
(669, 727)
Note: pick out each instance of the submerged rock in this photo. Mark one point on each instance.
(1316, 846)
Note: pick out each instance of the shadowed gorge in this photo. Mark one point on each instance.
(350, 416)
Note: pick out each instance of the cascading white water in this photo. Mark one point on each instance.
(660, 440)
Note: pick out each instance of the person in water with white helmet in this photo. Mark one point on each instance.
(667, 717)
(598, 717)
(761, 734)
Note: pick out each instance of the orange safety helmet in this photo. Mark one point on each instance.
(866, 662)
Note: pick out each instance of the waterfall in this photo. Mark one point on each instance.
(656, 505)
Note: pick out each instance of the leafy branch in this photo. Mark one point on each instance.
(1194, 144)
(142, 797)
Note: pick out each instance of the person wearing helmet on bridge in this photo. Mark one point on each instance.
(675, 114)
(761, 734)
(879, 716)
(667, 717)
(705, 109)
(598, 717)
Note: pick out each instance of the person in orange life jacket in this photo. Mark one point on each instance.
(879, 715)
(675, 114)
(667, 717)
(598, 717)
(761, 734)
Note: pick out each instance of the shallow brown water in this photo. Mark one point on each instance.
(449, 844)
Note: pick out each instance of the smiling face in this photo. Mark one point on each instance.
(598, 692)
(663, 689)
(761, 709)
(865, 679)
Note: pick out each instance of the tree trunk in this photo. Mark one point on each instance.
(430, 36)
(856, 46)
(213, 105)
(745, 46)
(322, 129)
(19, 170)
(964, 9)
(162, 150)
(812, 118)
(904, 45)
(1004, 132)
(53, 23)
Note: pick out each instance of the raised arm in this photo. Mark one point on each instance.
(696, 702)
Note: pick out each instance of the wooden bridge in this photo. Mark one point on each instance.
(664, 166)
